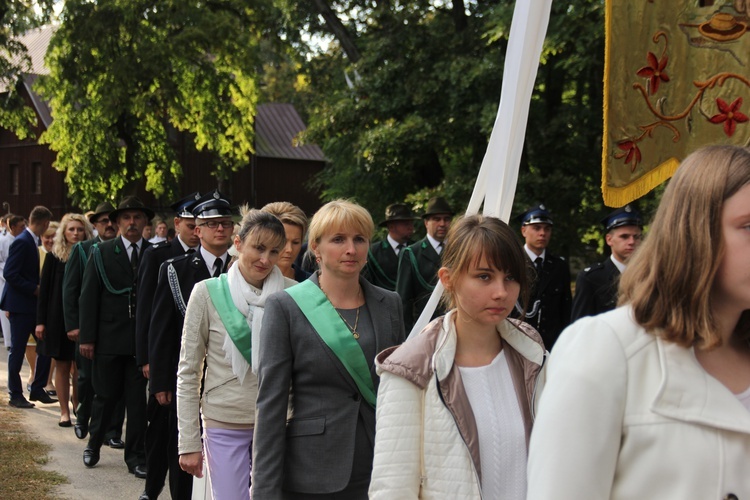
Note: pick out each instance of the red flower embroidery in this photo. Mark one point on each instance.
(631, 153)
(729, 114)
(654, 72)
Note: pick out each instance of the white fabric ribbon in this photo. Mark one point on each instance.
(250, 304)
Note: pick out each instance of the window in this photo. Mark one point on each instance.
(36, 177)
(13, 181)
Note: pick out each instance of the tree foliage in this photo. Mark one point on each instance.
(16, 18)
(125, 75)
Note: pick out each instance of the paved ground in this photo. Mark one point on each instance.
(108, 480)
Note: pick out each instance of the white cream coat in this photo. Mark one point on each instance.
(625, 415)
(448, 469)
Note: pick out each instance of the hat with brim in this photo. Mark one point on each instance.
(103, 208)
(397, 212)
(535, 215)
(130, 203)
(184, 207)
(722, 27)
(624, 216)
(212, 205)
(437, 205)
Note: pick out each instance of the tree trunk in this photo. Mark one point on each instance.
(339, 30)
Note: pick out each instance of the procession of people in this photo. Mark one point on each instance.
(232, 361)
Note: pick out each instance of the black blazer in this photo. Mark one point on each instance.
(165, 331)
(414, 295)
(382, 265)
(148, 273)
(596, 290)
(108, 318)
(73, 280)
(49, 311)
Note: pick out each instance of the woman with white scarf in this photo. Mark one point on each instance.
(222, 323)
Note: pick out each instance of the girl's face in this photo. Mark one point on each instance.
(731, 289)
(342, 253)
(484, 295)
(74, 232)
(257, 257)
(292, 247)
(48, 239)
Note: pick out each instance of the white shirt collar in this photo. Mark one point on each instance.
(210, 259)
(127, 243)
(394, 244)
(435, 243)
(619, 265)
(38, 239)
(185, 248)
(532, 255)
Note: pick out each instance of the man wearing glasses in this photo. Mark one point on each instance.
(177, 277)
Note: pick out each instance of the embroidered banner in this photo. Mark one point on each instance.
(677, 77)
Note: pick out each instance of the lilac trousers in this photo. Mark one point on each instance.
(229, 459)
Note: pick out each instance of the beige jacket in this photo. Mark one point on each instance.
(627, 416)
(426, 442)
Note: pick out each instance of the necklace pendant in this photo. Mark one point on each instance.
(355, 335)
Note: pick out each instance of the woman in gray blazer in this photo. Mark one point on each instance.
(319, 339)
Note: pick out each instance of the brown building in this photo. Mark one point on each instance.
(279, 170)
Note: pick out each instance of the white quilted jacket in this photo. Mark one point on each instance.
(422, 448)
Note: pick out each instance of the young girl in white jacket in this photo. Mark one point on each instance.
(652, 400)
(454, 404)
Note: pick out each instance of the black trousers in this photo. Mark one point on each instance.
(86, 400)
(161, 452)
(115, 376)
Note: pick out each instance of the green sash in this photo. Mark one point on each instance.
(326, 321)
(234, 322)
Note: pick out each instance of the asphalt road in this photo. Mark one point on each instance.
(108, 480)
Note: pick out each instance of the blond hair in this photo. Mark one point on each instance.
(475, 236)
(288, 214)
(669, 279)
(340, 214)
(60, 246)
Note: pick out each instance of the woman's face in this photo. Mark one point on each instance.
(74, 232)
(342, 253)
(257, 256)
(731, 290)
(484, 295)
(48, 239)
(292, 247)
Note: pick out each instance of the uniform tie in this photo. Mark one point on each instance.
(538, 262)
(134, 256)
(218, 267)
(439, 248)
(190, 250)
(399, 247)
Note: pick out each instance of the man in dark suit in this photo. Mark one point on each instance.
(177, 277)
(418, 264)
(19, 300)
(596, 286)
(107, 335)
(148, 271)
(382, 259)
(549, 306)
(71, 295)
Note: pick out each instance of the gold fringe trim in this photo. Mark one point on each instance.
(620, 196)
(605, 100)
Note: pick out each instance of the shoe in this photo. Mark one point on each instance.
(90, 457)
(143, 496)
(81, 430)
(138, 471)
(42, 397)
(115, 443)
(65, 423)
(20, 402)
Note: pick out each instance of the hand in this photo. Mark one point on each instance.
(192, 463)
(145, 370)
(87, 350)
(164, 398)
(39, 332)
(73, 334)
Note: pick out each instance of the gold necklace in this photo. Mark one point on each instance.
(353, 329)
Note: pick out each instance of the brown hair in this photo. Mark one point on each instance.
(669, 279)
(288, 214)
(475, 236)
(39, 214)
(255, 222)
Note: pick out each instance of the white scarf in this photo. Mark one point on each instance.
(250, 304)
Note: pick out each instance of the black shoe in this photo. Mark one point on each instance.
(138, 471)
(90, 457)
(65, 423)
(81, 430)
(20, 402)
(116, 443)
(42, 397)
(143, 496)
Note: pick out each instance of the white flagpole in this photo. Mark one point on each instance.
(498, 175)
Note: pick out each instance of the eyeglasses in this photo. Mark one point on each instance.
(226, 224)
